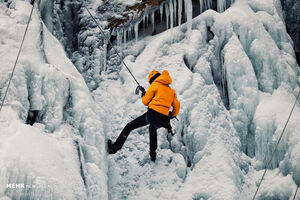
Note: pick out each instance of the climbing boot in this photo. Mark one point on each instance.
(110, 147)
(153, 155)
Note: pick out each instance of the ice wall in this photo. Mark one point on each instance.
(245, 54)
(174, 13)
(63, 155)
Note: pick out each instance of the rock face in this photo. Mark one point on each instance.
(291, 11)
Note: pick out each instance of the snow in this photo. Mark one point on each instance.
(269, 123)
(212, 141)
(48, 153)
(35, 159)
(242, 87)
(235, 76)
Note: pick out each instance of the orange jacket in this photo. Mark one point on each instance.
(160, 96)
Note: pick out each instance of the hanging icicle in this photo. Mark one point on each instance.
(171, 14)
(125, 36)
(136, 31)
(118, 38)
(188, 14)
(147, 19)
(161, 9)
(221, 5)
(208, 4)
(144, 22)
(167, 15)
(201, 4)
(179, 12)
(175, 12)
(129, 31)
(152, 21)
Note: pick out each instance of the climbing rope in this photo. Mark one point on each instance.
(275, 148)
(14, 68)
(296, 190)
(111, 45)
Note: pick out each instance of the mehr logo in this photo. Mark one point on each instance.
(23, 186)
(15, 185)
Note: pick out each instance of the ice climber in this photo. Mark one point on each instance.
(159, 98)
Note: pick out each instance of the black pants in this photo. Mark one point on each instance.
(155, 119)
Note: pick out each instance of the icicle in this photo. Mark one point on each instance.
(171, 14)
(201, 3)
(179, 11)
(122, 38)
(167, 14)
(161, 9)
(118, 38)
(136, 31)
(208, 4)
(188, 14)
(175, 12)
(221, 5)
(152, 20)
(144, 22)
(125, 35)
(147, 19)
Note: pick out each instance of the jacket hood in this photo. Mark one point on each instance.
(164, 78)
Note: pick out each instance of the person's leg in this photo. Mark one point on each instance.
(153, 141)
(138, 122)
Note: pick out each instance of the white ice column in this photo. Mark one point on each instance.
(129, 31)
(179, 12)
(136, 31)
(161, 9)
(188, 14)
(171, 13)
(201, 4)
(118, 38)
(125, 37)
(208, 4)
(167, 14)
(144, 22)
(147, 19)
(221, 5)
(153, 20)
(175, 12)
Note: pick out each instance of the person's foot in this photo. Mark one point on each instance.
(110, 147)
(153, 155)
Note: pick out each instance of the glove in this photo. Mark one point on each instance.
(141, 89)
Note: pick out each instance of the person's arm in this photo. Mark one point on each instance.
(146, 99)
(176, 106)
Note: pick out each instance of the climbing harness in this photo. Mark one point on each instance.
(13, 71)
(102, 31)
(276, 149)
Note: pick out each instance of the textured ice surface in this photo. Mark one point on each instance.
(236, 78)
(65, 149)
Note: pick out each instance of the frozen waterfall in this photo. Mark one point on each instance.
(171, 12)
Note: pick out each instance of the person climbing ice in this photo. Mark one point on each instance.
(159, 98)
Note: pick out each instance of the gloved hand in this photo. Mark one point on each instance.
(141, 89)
